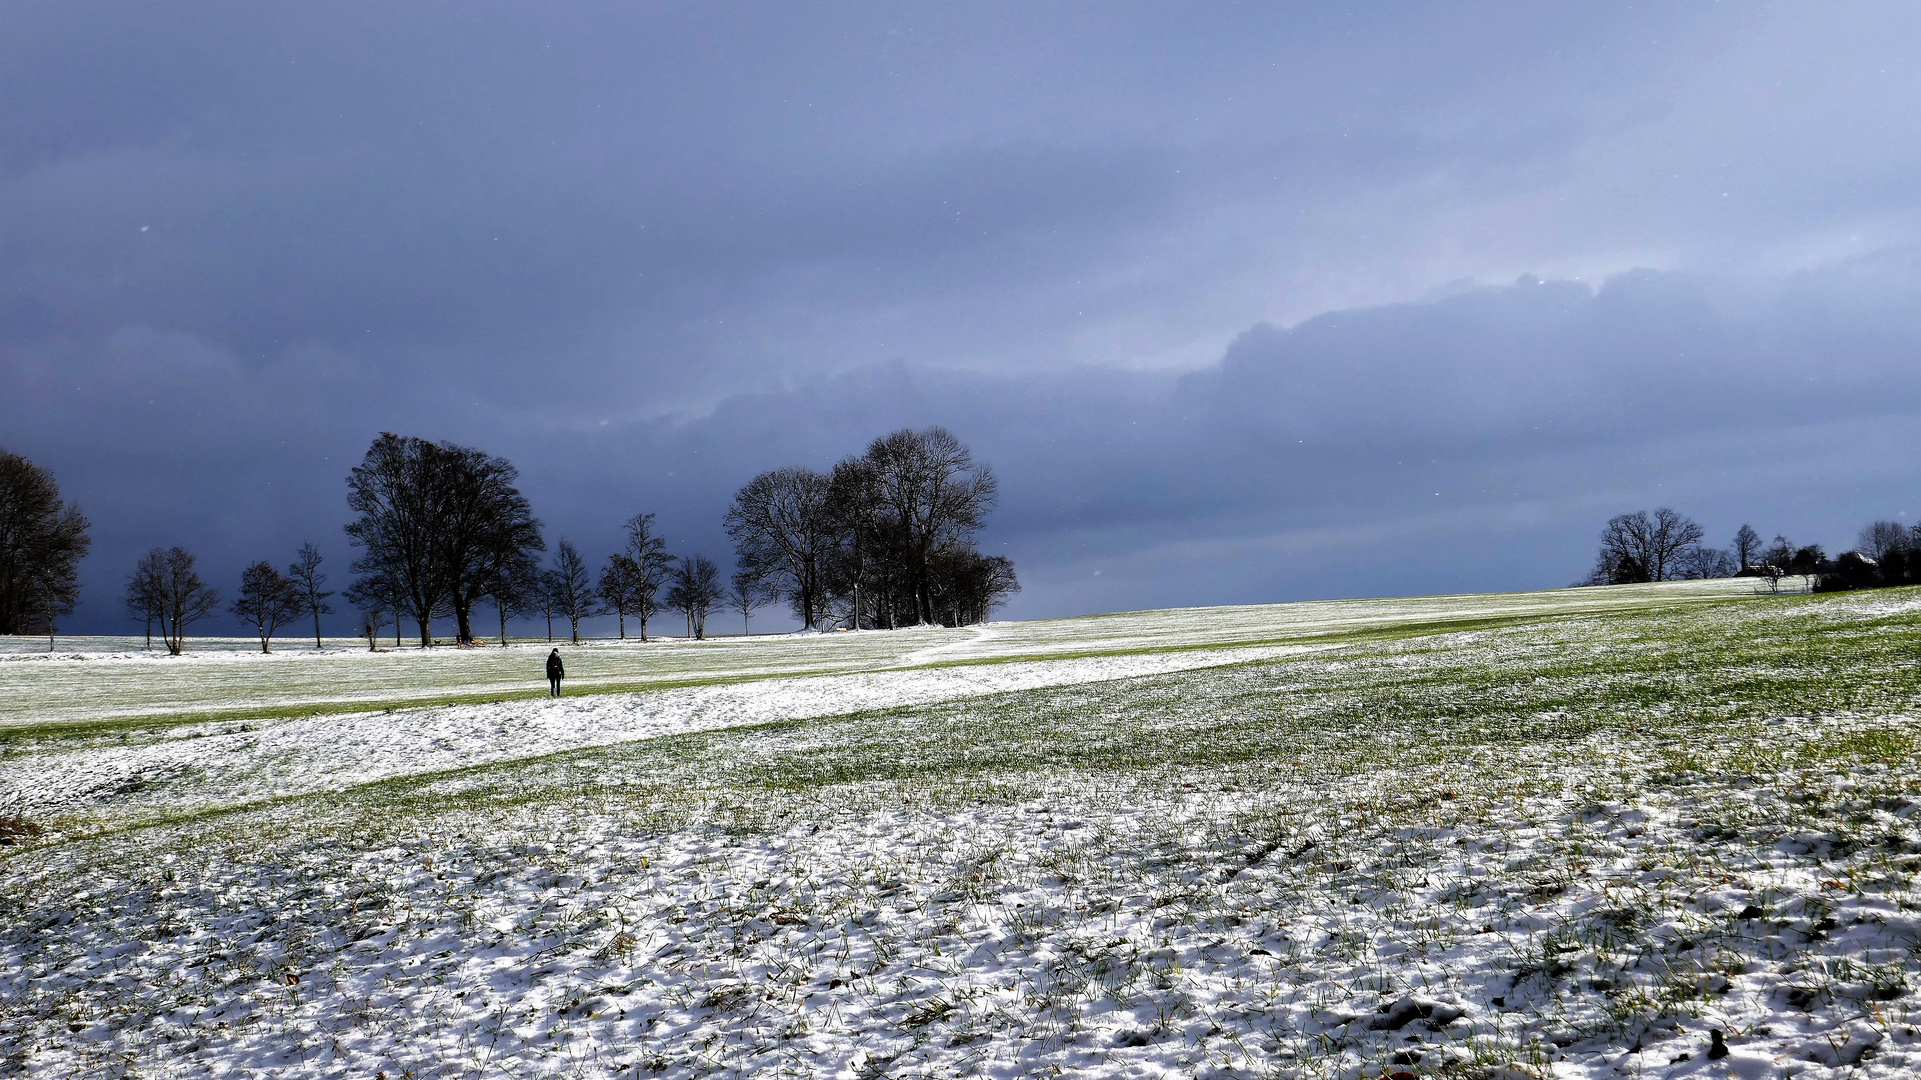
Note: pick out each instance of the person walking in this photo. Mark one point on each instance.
(555, 672)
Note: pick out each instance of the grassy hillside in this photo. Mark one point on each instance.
(1659, 831)
(103, 681)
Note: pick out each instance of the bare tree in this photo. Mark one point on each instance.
(781, 527)
(1747, 546)
(651, 564)
(515, 589)
(307, 578)
(268, 600)
(371, 622)
(375, 596)
(1779, 553)
(572, 587)
(1700, 562)
(394, 491)
(746, 591)
(44, 606)
(1882, 537)
(41, 544)
(546, 598)
(437, 520)
(167, 578)
(1638, 547)
(620, 588)
(484, 524)
(854, 506)
(1771, 574)
(694, 590)
(969, 585)
(936, 494)
(143, 605)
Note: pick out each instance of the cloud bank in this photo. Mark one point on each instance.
(1470, 442)
(1242, 306)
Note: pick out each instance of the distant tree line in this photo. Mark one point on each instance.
(1668, 546)
(1886, 553)
(885, 539)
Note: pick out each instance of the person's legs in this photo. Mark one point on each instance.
(553, 689)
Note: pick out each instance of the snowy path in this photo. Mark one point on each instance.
(933, 654)
(90, 680)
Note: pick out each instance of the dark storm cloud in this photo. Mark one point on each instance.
(1470, 442)
(1208, 286)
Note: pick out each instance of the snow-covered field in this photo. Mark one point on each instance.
(1662, 831)
(88, 681)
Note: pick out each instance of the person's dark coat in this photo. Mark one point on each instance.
(555, 669)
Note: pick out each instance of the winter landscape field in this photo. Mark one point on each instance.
(1662, 830)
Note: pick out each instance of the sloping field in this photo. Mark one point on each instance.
(97, 680)
(1654, 831)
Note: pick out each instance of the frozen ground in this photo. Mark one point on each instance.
(128, 775)
(91, 681)
(1473, 837)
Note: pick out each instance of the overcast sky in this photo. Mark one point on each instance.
(1243, 303)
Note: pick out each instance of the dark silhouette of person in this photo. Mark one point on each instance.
(555, 672)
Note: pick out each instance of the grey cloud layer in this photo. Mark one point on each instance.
(647, 251)
(1470, 442)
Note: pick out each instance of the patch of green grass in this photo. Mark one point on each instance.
(1274, 850)
(1696, 684)
(61, 700)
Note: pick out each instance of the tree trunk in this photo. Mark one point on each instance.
(263, 643)
(503, 628)
(623, 622)
(426, 631)
(316, 624)
(463, 619)
(575, 620)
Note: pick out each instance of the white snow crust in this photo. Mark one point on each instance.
(1579, 848)
(199, 766)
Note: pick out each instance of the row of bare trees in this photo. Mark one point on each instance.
(884, 539)
(166, 589)
(629, 586)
